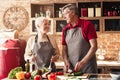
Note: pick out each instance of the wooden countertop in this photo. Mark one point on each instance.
(60, 64)
(83, 77)
(86, 77)
(108, 63)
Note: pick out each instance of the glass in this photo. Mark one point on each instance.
(66, 13)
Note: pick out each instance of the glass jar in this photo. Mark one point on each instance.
(118, 55)
(48, 13)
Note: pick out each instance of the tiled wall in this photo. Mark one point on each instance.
(109, 41)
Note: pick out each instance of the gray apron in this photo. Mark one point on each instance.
(77, 48)
(43, 52)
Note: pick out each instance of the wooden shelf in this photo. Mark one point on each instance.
(37, 6)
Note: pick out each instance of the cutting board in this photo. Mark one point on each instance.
(65, 77)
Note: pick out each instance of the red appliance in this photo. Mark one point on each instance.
(9, 59)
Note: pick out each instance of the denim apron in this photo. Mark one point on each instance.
(43, 52)
(77, 48)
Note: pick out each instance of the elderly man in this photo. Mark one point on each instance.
(79, 42)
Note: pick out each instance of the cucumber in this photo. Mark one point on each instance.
(79, 73)
(12, 73)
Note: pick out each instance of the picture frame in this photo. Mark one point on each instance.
(96, 22)
(60, 24)
(33, 29)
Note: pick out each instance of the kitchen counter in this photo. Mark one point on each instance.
(60, 64)
(86, 77)
(83, 77)
(108, 63)
(105, 66)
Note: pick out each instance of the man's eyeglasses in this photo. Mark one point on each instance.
(65, 13)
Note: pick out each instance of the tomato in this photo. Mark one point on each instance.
(27, 75)
(55, 73)
(37, 77)
(59, 73)
(52, 76)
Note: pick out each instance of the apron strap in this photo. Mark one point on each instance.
(50, 43)
(36, 37)
(49, 40)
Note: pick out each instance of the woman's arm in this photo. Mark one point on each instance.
(28, 49)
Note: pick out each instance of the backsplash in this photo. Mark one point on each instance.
(110, 42)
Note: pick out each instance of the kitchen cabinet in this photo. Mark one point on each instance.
(104, 14)
(111, 16)
(39, 9)
(91, 11)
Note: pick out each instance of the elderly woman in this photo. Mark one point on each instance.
(42, 48)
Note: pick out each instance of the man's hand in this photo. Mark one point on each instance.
(79, 66)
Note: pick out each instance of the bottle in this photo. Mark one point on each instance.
(118, 10)
(60, 13)
(32, 67)
(27, 66)
(48, 13)
(115, 11)
(52, 67)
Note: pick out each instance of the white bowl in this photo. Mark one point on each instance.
(115, 75)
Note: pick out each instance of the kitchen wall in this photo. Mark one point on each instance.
(108, 41)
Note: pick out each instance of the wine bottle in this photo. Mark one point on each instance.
(115, 11)
(52, 67)
(27, 66)
(118, 10)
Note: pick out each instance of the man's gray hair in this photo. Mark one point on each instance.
(70, 7)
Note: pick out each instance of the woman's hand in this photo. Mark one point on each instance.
(54, 58)
(33, 58)
(66, 67)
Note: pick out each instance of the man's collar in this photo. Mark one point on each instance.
(78, 23)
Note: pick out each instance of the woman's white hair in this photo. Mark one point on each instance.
(39, 21)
